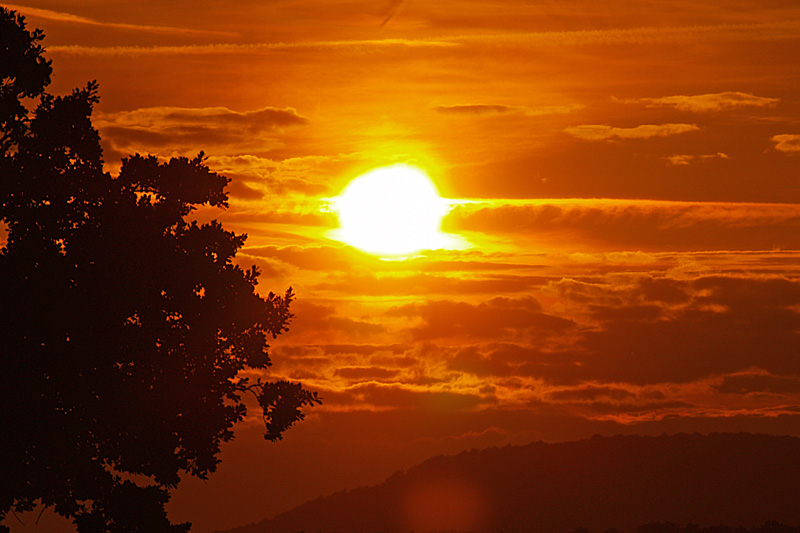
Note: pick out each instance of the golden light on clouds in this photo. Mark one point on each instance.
(393, 211)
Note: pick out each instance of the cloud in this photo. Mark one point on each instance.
(648, 35)
(655, 34)
(507, 361)
(683, 159)
(759, 382)
(365, 373)
(640, 333)
(730, 324)
(636, 224)
(298, 217)
(169, 130)
(500, 109)
(627, 347)
(377, 277)
(787, 142)
(312, 258)
(315, 319)
(342, 365)
(239, 189)
(393, 396)
(679, 160)
(417, 283)
(327, 350)
(594, 132)
(354, 46)
(497, 319)
(477, 109)
(708, 102)
(268, 118)
(470, 360)
(593, 393)
(309, 175)
(77, 19)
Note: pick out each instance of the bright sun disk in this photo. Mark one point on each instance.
(392, 211)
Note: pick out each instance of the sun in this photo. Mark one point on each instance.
(392, 211)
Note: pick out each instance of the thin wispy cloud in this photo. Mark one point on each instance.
(708, 102)
(598, 132)
(501, 109)
(686, 159)
(638, 224)
(477, 109)
(356, 46)
(61, 16)
(733, 32)
(652, 34)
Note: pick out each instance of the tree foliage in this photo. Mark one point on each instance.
(124, 325)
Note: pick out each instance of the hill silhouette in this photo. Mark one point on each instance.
(598, 483)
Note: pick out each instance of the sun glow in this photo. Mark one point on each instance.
(392, 211)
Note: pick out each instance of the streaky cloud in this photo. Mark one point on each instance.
(640, 224)
(707, 102)
(649, 34)
(166, 116)
(502, 109)
(599, 132)
(61, 16)
(727, 32)
(686, 159)
(164, 130)
(477, 109)
(356, 46)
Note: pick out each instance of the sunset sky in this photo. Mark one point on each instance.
(623, 179)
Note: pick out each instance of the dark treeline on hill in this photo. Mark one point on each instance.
(738, 480)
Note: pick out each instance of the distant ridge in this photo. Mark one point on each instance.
(599, 483)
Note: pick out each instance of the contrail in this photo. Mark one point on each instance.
(77, 19)
(393, 11)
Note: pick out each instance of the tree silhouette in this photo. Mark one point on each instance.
(124, 326)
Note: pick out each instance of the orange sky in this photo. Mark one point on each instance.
(633, 171)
